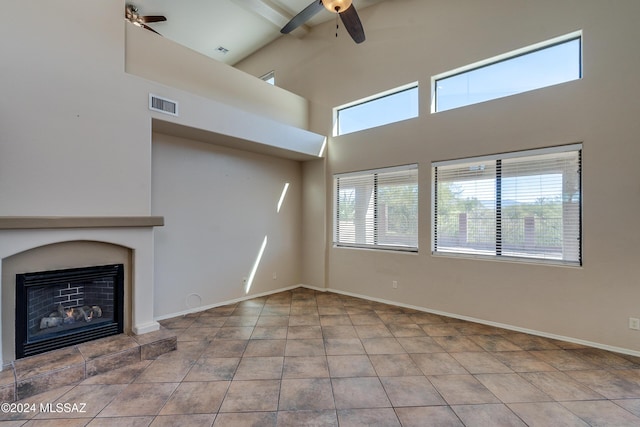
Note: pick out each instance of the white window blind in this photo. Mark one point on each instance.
(377, 208)
(519, 205)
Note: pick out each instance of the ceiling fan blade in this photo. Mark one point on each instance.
(146, 27)
(152, 18)
(352, 23)
(302, 17)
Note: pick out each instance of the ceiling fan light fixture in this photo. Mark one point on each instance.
(336, 6)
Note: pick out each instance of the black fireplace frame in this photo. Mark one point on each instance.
(26, 347)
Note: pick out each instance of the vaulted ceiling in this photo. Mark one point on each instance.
(239, 26)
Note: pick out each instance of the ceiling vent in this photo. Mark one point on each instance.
(163, 105)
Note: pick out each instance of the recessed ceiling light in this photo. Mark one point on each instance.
(222, 50)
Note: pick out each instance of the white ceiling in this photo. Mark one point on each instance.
(241, 26)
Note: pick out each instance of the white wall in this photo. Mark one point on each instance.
(76, 140)
(414, 39)
(219, 205)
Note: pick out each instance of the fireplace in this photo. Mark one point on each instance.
(60, 308)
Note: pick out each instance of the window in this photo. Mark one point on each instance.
(524, 205)
(545, 64)
(377, 209)
(381, 109)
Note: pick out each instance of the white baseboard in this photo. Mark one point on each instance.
(413, 307)
(223, 303)
(495, 324)
(145, 328)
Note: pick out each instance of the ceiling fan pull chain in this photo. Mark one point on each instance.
(337, 25)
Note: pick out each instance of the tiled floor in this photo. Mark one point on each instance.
(305, 358)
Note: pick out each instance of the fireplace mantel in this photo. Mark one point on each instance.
(53, 222)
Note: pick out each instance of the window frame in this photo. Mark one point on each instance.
(373, 98)
(531, 49)
(376, 245)
(499, 256)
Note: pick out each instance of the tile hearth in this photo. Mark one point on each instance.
(302, 358)
(71, 365)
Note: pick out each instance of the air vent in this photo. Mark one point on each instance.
(163, 105)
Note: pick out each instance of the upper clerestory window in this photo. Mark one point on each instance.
(544, 64)
(388, 107)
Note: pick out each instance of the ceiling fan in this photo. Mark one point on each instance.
(344, 8)
(132, 15)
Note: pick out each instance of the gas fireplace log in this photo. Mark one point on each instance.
(70, 315)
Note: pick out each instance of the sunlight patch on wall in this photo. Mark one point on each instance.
(252, 275)
(282, 197)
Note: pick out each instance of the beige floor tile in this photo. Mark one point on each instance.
(304, 332)
(522, 361)
(382, 417)
(438, 364)
(602, 413)
(544, 414)
(462, 390)
(370, 318)
(512, 388)
(487, 416)
(226, 348)
(122, 422)
(350, 366)
(358, 393)
(196, 398)
(531, 342)
(304, 347)
(302, 320)
(213, 369)
(440, 330)
(494, 343)
(323, 418)
(273, 321)
(382, 346)
(165, 370)
(631, 405)
(420, 345)
(204, 420)
(406, 330)
(269, 333)
(140, 399)
(305, 367)
(259, 368)
(335, 320)
(310, 394)
(90, 400)
(564, 360)
(428, 416)
(560, 386)
(250, 396)
(193, 333)
(411, 391)
(265, 347)
(481, 363)
(394, 365)
(257, 419)
(607, 383)
(234, 333)
(373, 331)
(343, 331)
(457, 344)
(337, 346)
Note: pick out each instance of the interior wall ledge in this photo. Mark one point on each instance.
(53, 222)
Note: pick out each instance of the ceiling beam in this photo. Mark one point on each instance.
(270, 12)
